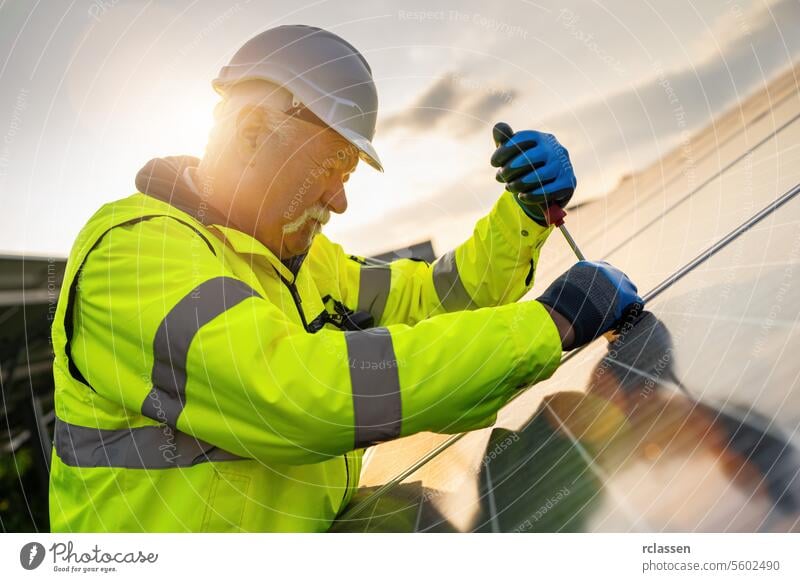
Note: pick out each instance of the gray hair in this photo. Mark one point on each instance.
(272, 99)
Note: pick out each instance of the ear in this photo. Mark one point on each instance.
(252, 126)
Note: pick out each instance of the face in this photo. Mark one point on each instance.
(287, 185)
(308, 186)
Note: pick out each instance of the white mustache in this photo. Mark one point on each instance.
(317, 212)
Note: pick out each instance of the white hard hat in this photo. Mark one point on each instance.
(325, 74)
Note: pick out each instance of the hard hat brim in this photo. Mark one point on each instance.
(366, 150)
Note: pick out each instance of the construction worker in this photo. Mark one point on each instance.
(220, 365)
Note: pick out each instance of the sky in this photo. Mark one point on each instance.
(90, 90)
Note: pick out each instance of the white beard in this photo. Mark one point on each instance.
(317, 212)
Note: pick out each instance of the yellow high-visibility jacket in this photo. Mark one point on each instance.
(204, 385)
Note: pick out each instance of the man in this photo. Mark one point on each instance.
(220, 365)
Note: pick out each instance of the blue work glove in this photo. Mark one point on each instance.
(594, 297)
(535, 167)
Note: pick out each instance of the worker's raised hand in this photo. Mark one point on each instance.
(535, 167)
(594, 297)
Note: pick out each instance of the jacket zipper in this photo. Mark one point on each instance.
(347, 482)
(298, 303)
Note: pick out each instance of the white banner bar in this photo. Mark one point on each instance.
(401, 557)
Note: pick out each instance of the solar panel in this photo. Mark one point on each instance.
(679, 205)
(690, 422)
(29, 289)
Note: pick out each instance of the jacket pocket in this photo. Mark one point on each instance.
(226, 502)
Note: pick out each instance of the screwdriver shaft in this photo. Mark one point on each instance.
(554, 215)
(571, 242)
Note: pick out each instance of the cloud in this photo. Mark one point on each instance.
(434, 104)
(466, 104)
(485, 107)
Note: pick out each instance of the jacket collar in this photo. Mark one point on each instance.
(244, 244)
(170, 180)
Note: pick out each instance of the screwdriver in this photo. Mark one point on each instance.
(553, 214)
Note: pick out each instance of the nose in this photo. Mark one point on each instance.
(335, 199)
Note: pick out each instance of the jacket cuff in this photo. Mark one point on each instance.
(517, 226)
(538, 343)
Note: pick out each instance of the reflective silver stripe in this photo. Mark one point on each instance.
(376, 386)
(211, 298)
(448, 285)
(373, 289)
(146, 447)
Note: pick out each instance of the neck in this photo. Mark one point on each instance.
(215, 193)
(217, 198)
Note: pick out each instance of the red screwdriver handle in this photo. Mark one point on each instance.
(554, 215)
